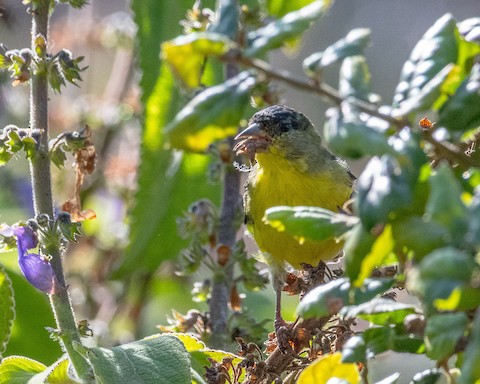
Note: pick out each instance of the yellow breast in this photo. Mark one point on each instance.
(279, 183)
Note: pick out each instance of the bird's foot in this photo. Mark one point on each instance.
(285, 335)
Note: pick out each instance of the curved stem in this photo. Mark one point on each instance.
(42, 196)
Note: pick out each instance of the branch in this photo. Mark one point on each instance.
(42, 197)
(449, 150)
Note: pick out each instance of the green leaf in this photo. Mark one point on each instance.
(426, 96)
(18, 369)
(420, 235)
(279, 8)
(351, 45)
(226, 19)
(353, 138)
(355, 350)
(200, 354)
(436, 49)
(471, 364)
(439, 273)
(383, 191)
(57, 373)
(429, 376)
(381, 253)
(358, 245)
(442, 334)
(186, 54)
(380, 311)
(460, 112)
(444, 205)
(156, 360)
(389, 338)
(354, 78)
(310, 223)
(329, 298)
(165, 178)
(7, 309)
(275, 34)
(212, 115)
(461, 299)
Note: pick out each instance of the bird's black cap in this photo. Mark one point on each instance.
(279, 119)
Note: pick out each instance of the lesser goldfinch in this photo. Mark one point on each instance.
(292, 168)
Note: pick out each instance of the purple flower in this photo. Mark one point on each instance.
(37, 270)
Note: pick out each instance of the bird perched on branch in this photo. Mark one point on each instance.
(292, 168)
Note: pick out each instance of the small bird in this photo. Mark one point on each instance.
(292, 168)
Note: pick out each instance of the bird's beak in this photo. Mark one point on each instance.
(251, 140)
(253, 130)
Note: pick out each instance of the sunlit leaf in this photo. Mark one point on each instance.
(439, 273)
(330, 367)
(329, 298)
(426, 96)
(57, 373)
(436, 49)
(18, 369)
(7, 309)
(378, 256)
(351, 45)
(380, 311)
(274, 34)
(358, 245)
(355, 350)
(460, 112)
(186, 54)
(200, 354)
(157, 359)
(279, 8)
(443, 332)
(461, 299)
(311, 223)
(212, 115)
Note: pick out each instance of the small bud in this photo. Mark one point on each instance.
(43, 220)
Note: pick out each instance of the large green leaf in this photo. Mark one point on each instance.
(186, 54)
(212, 115)
(7, 309)
(154, 360)
(275, 34)
(165, 178)
(311, 223)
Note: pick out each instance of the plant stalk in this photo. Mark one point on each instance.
(42, 196)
